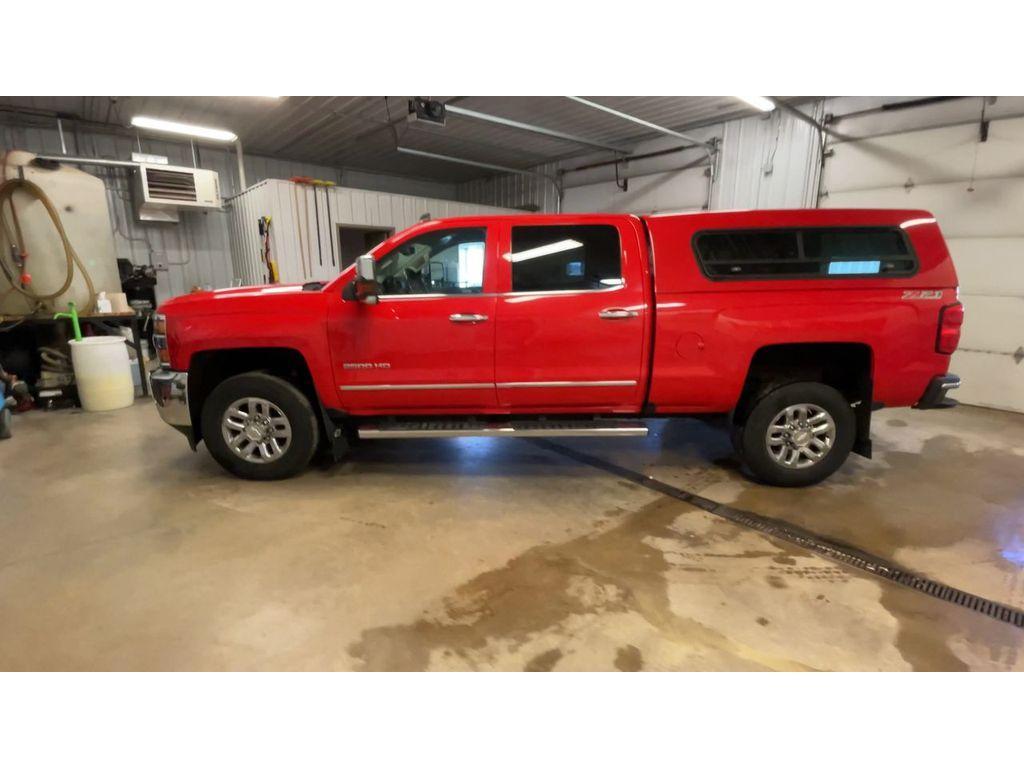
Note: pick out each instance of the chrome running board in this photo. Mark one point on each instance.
(596, 428)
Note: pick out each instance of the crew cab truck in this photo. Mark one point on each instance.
(794, 324)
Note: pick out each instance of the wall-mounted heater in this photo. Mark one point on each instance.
(161, 191)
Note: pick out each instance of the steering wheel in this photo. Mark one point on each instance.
(414, 280)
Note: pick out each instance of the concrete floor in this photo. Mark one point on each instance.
(121, 549)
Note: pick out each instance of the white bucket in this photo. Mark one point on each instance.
(102, 372)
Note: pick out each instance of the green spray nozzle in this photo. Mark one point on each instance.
(73, 315)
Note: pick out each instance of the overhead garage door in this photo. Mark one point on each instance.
(976, 190)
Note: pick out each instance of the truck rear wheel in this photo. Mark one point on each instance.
(259, 427)
(798, 434)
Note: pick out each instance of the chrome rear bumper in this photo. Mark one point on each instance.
(170, 393)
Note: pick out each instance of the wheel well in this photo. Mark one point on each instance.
(208, 369)
(845, 366)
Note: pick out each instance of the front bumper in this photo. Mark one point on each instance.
(170, 393)
(938, 388)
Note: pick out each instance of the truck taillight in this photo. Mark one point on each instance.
(951, 319)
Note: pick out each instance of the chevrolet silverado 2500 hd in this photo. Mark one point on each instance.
(795, 324)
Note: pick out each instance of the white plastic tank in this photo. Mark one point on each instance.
(102, 372)
(81, 200)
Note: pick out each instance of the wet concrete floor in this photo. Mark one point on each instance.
(121, 549)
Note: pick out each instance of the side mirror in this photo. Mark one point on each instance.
(364, 267)
(366, 286)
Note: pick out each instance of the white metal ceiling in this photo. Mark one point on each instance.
(362, 131)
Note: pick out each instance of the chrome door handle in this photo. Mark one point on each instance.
(459, 317)
(617, 313)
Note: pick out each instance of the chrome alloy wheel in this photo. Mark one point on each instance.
(256, 429)
(800, 436)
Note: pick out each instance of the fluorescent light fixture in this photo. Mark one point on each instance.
(183, 129)
(758, 102)
(543, 250)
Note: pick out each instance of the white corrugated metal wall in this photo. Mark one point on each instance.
(513, 190)
(663, 184)
(769, 161)
(197, 249)
(305, 220)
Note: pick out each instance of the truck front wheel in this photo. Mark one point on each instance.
(798, 434)
(259, 427)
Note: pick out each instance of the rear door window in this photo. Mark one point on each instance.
(573, 257)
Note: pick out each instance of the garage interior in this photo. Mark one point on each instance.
(121, 549)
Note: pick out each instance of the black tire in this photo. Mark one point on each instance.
(286, 398)
(756, 454)
(736, 438)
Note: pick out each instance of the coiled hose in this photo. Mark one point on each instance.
(7, 190)
(55, 361)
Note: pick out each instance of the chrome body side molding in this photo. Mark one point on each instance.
(397, 387)
(531, 384)
(484, 385)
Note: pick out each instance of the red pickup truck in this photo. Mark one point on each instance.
(795, 324)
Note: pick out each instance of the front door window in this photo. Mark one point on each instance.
(447, 261)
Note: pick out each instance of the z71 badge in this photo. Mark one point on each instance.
(922, 295)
